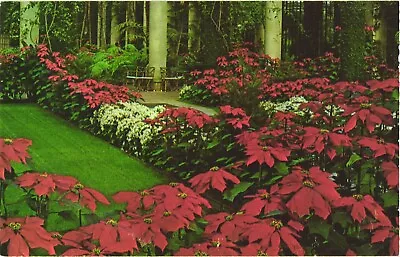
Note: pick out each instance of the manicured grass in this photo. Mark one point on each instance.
(59, 147)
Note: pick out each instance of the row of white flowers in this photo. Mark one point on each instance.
(291, 105)
(124, 122)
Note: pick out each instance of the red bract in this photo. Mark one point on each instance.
(147, 231)
(12, 150)
(269, 233)
(259, 151)
(385, 231)
(391, 173)
(313, 190)
(42, 183)
(369, 114)
(379, 147)
(24, 234)
(87, 197)
(113, 236)
(386, 85)
(264, 202)
(81, 245)
(358, 204)
(215, 246)
(229, 225)
(316, 140)
(216, 178)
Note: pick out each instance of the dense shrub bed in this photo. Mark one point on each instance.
(312, 170)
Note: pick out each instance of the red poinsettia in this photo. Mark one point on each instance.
(81, 245)
(26, 233)
(42, 183)
(217, 245)
(262, 153)
(359, 203)
(379, 146)
(230, 225)
(316, 140)
(385, 231)
(387, 85)
(113, 236)
(270, 232)
(391, 173)
(147, 230)
(313, 190)
(216, 178)
(369, 114)
(87, 197)
(12, 150)
(264, 202)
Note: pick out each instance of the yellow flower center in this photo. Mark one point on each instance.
(78, 186)
(323, 131)
(276, 223)
(308, 183)
(167, 213)
(44, 175)
(261, 253)
(229, 218)
(56, 235)
(173, 184)
(265, 148)
(144, 193)
(215, 168)
(96, 251)
(147, 220)
(305, 172)
(8, 141)
(216, 243)
(365, 105)
(358, 197)
(200, 253)
(15, 226)
(182, 195)
(111, 222)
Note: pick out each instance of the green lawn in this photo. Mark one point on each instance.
(59, 147)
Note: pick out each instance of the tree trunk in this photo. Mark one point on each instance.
(114, 24)
(145, 24)
(259, 37)
(381, 32)
(158, 40)
(101, 24)
(312, 28)
(352, 45)
(273, 29)
(193, 28)
(130, 19)
(29, 24)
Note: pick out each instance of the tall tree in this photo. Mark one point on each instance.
(193, 28)
(158, 40)
(312, 44)
(273, 29)
(130, 22)
(352, 45)
(29, 24)
(115, 33)
(101, 24)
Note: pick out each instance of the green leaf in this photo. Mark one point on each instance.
(338, 241)
(354, 158)
(237, 189)
(282, 168)
(68, 215)
(212, 144)
(341, 218)
(395, 95)
(273, 180)
(390, 198)
(319, 227)
(367, 250)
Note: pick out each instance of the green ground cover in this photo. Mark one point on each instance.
(59, 147)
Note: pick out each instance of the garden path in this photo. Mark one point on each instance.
(171, 98)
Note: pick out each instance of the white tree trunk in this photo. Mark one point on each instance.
(29, 24)
(193, 29)
(158, 40)
(273, 29)
(114, 24)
